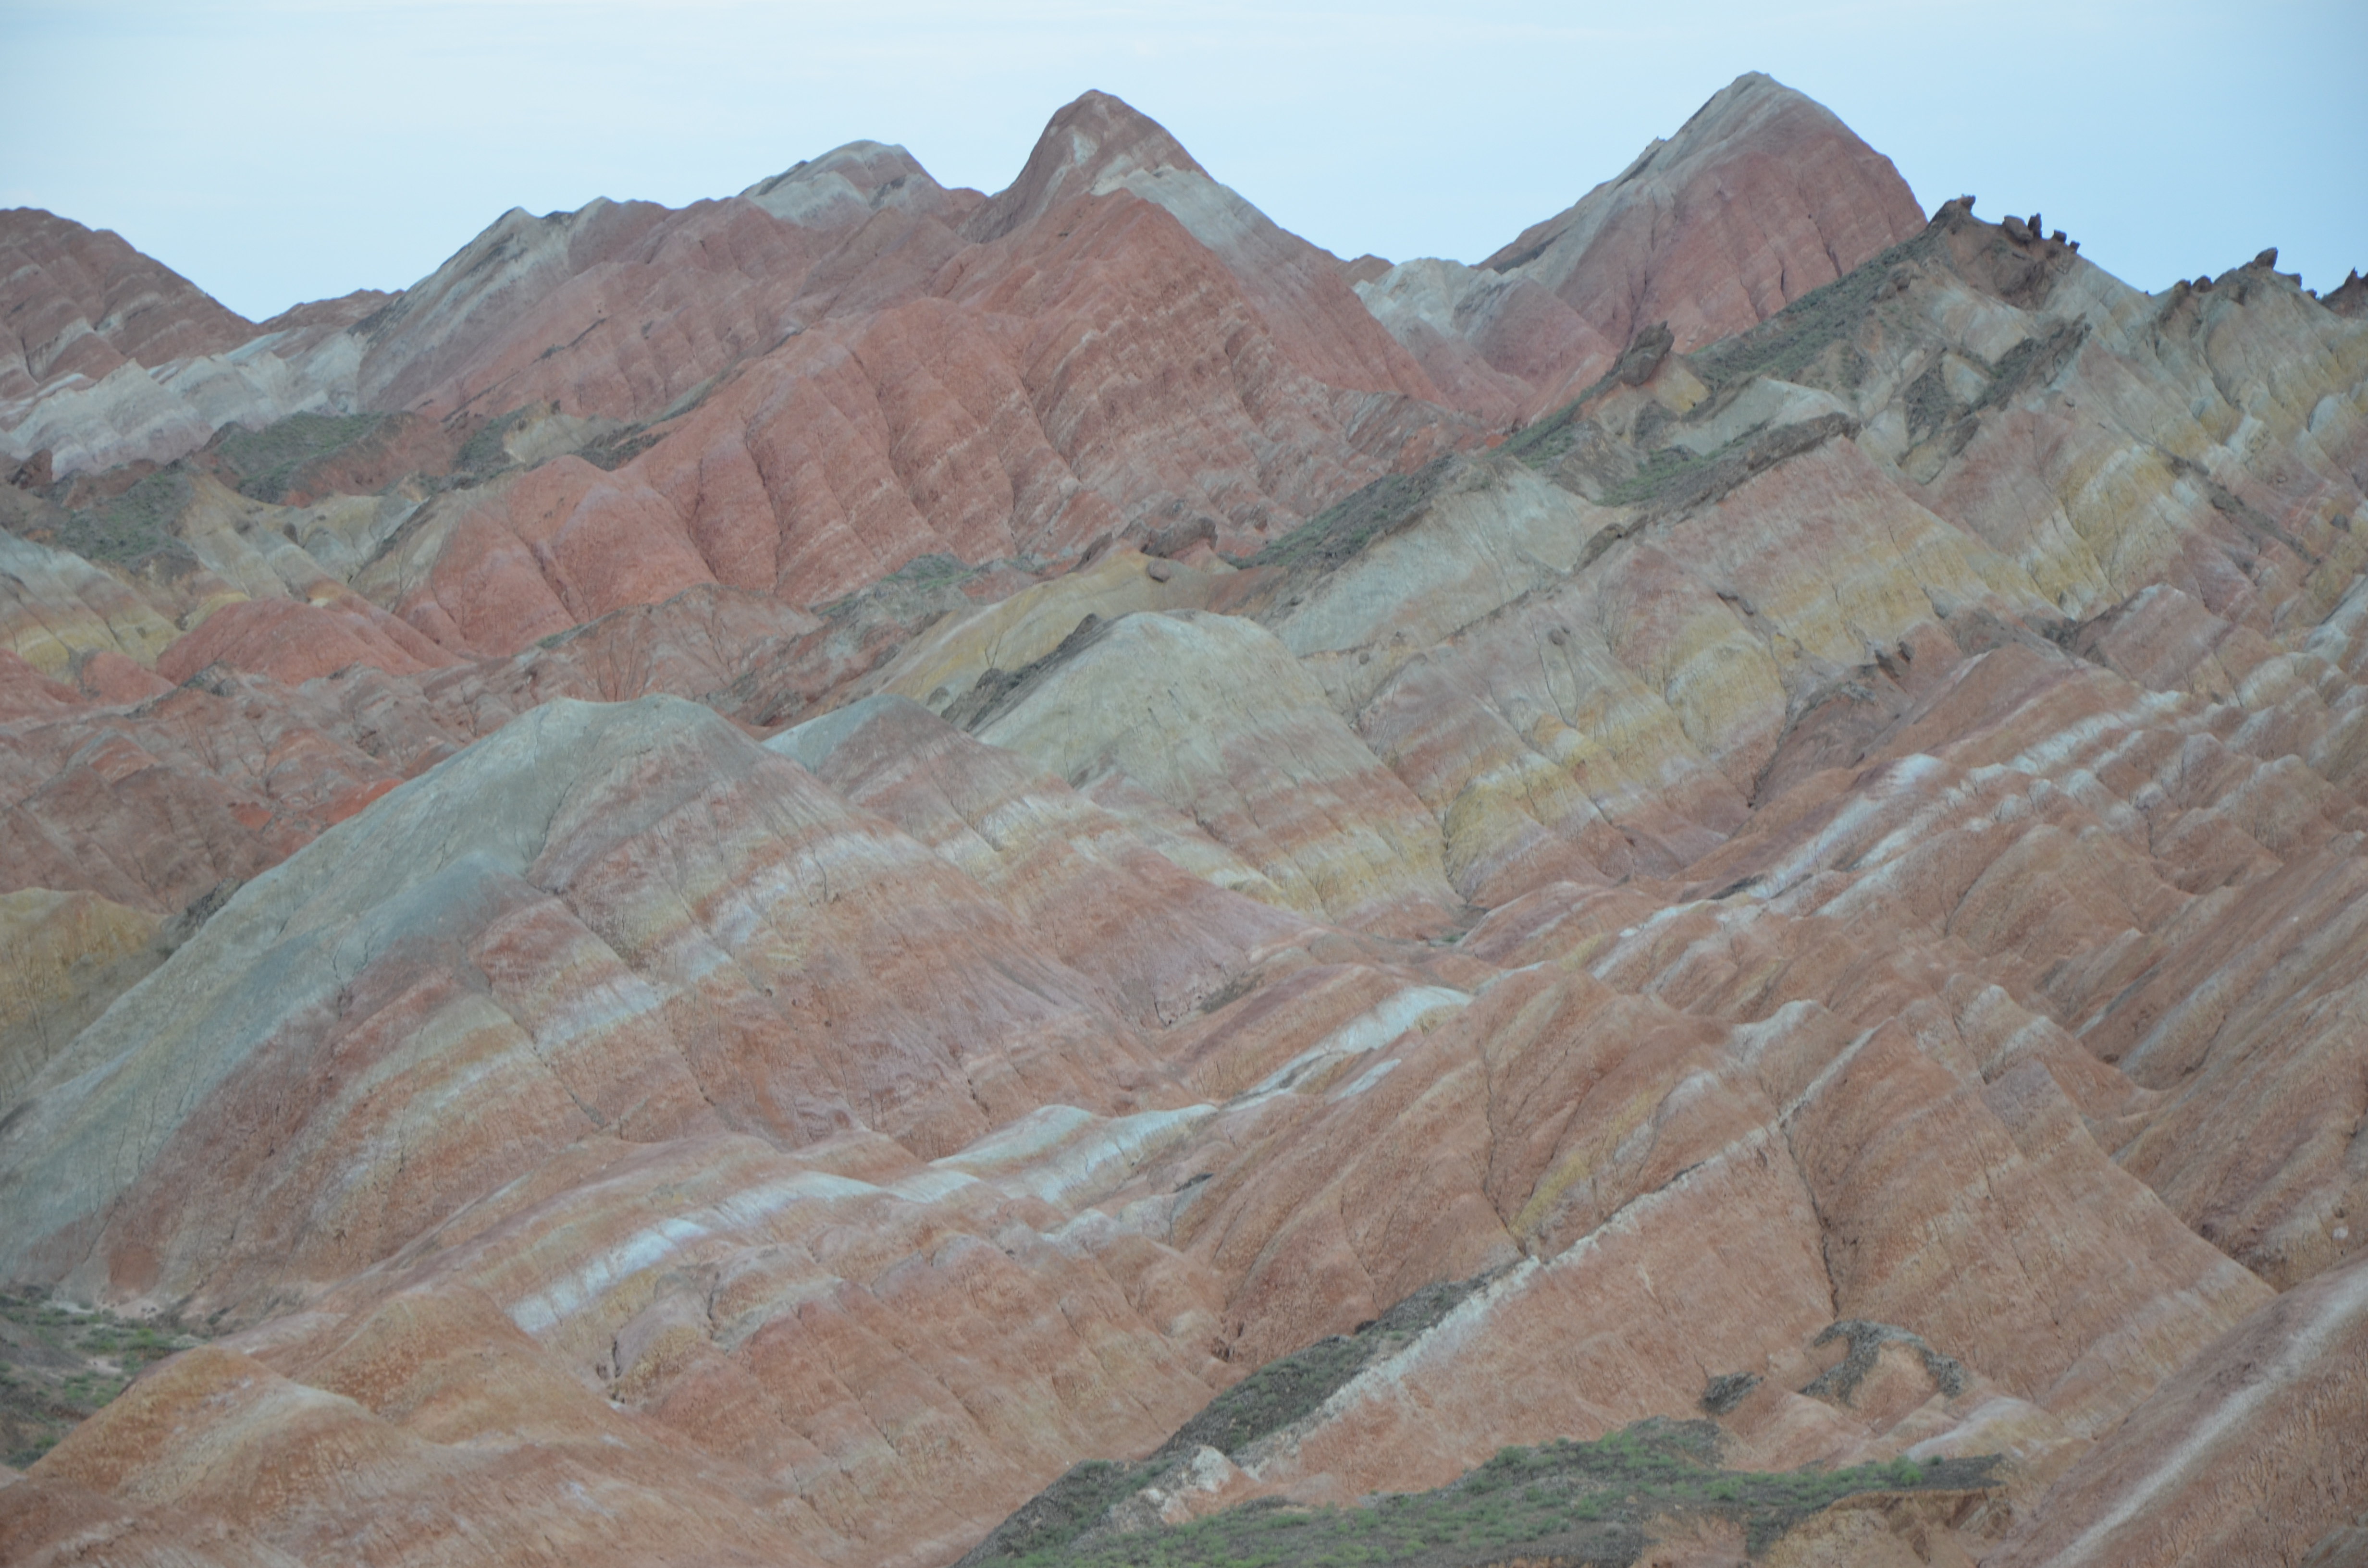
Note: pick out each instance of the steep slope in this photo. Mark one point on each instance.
(561, 805)
(2236, 1456)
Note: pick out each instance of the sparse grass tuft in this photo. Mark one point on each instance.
(263, 462)
(1350, 525)
(1564, 1502)
(58, 1367)
(1561, 1502)
(1788, 343)
(136, 523)
(482, 453)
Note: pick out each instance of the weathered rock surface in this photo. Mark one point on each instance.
(559, 799)
(56, 952)
(54, 605)
(791, 864)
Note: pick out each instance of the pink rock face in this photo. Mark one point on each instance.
(1028, 415)
(107, 676)
(293, 641)
(1097, 146)
(1669, 241)
(26, 693)
(567, 544)
(914, 375)
(82, 302)
(474, 336)
(150, 806)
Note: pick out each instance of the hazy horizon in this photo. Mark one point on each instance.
(280, 151)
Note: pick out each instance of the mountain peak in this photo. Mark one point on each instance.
(82, 301)
(1090, 143)
(1754, 104)
(1762, 194)
(847, 185)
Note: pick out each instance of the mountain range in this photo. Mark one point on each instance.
(871, 875)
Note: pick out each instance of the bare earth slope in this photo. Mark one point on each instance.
(734, 884)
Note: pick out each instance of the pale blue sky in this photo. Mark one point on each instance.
(281, 150)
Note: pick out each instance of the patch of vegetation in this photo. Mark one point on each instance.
(1866, 1341)
(59, 1366)
(136, 523)
(1676, 480)
(613, 452)
(1350, 525)
(1929, 406)
(1545, 442)
(264, 461)
(482, 453)
(998, 691)
(2034, 361)
(1293, 1386)
(1562, 1502)
(1661, 473)
(1282, 1392)
(1726, 1391)
(940, 570)
(925, 582)
(1046, 1525)
(1788, 342)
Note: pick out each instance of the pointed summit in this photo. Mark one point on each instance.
(1762, 195)
(847, 185)
(1091, 144)
(1100, 146)
(82, 301)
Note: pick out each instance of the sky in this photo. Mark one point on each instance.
(277, 151)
